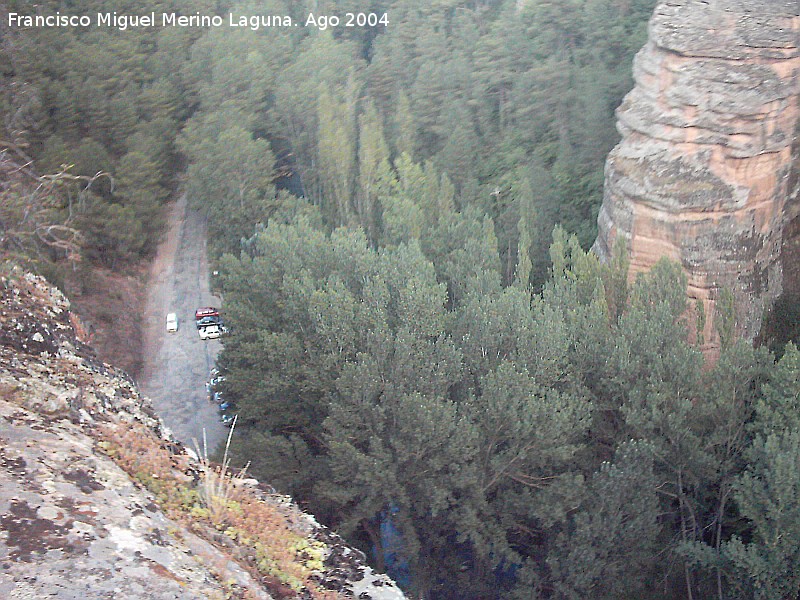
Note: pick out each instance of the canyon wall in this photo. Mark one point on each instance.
(706, 171)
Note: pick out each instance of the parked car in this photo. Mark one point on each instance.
(172, 322)
(227, 419)
(209, 320)
(206, 311)
(208, 315)
(210, 332)
(226, 405)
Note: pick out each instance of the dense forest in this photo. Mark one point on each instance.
(423, 352)
(90, 118)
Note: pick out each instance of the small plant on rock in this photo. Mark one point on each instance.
(219, 487)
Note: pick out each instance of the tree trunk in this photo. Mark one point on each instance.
(684, 537)
(375, 537)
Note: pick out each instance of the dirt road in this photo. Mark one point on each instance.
(176, 365)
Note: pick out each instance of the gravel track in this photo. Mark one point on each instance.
(176, 365)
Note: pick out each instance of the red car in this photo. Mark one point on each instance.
(206, 317)
(206, 311)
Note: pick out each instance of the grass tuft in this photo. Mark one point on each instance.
(283, 560)
(220, 489)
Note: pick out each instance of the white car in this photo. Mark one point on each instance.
(172, 323)
(210, 332)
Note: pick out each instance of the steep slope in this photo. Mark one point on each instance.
(97, 501)
(702, 174)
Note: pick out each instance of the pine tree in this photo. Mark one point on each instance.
(372, 153)
(610, 548)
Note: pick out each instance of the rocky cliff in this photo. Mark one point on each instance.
(706, 171)
(98, 501)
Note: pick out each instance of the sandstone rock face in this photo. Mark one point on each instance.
(705, 173)
(74, 521)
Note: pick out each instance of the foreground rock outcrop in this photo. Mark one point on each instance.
(706, 171)
(98, 501)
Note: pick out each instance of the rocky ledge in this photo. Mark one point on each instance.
(705, 173)
(98, 501)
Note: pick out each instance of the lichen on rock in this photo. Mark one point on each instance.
(75, 523)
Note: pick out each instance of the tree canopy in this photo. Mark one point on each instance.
(423, 352)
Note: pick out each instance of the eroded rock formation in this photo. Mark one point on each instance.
(80, 520)
(705, 173)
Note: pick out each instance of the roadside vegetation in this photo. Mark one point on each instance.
(423, 351)
(218, 505)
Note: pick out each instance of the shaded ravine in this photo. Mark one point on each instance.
(176, 365)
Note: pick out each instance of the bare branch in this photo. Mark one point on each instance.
(31, 205)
